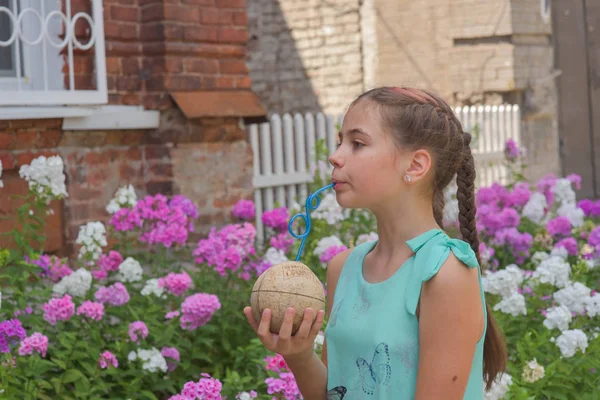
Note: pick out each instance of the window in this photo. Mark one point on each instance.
(8, 67)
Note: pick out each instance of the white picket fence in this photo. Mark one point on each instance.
(284, 151)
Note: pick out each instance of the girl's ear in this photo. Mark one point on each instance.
(419, 164)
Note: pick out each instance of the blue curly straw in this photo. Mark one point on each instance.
(306, 217)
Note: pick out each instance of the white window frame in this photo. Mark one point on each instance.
(42, 78)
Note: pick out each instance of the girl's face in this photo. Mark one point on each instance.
(368, 169)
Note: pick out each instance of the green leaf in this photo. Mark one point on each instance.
(72, 375)
(60, 363)
(149, 394)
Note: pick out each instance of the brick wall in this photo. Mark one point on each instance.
(305, 55)
(152, 47)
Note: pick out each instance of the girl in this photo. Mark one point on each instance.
(407, 312)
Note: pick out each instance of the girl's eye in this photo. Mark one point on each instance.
(358, 145)
(338, 144)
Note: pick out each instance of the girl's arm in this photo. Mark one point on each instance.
(451, 322)
(310, 371)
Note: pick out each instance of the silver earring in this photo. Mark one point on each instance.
(408, 178)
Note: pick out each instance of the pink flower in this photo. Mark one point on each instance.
(135, 328)
(559, 226)
(52, 267)
(282, 241)
(244, 209)
(59, 309)
(276, 363)
(115, 295)
(570, 244)
(173, 353)
(37, 342)
(91, 310)
(276, 218)
(331, 252)
(176, 283)
(172, 314)
(511, 150)
(285, 385)
(107, 263)
(197, 310)
(107, 359)
(207, 388)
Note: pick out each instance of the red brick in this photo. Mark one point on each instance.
(129, 83)
(157, 153)
(178, 13)
(205, 66)
(225, 82)
(152, 31)
(78, 212)
(146, 2)
(131, 66)
(230, 35)
(83, 65)
(133, 154)
(233, 67)
(161, 169)
(153, 12)
(8, 160)
(231, 3)
(155, 83)
(26, 140)
(225, 17)
(111, 83)
(154, 187)
(84, 192)
(124, 13)
(23, 123)
(4, 124)
(210, 16)
(200, 2)
(157, 101)
(183, 82)
(243, 83)
(173, 32)
(49, 123)
(122, 48)
(7, 140)
(240, 18)
(173, 64)
(120, 30)
(49, 139)
(84, 82)
(153, 65)
(132, 137)
(99, 157)
(201, 33)
(113, 65)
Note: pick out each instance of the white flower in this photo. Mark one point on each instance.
(560, 252)
(275, 256)
(499, 387)
(131, 270)
(124, 197)
(513, 305)
(564, 191)
(91, 237)
(532, 371)
(152, 287)
(320, 339)
(570, 341)
(534, 209)
(132, 356)
(45, 177)
(152, 360)
(366, 237)
(326, 243)
(503, 282)
(573, 213)
(558, 317)
(539, 256)
(592, 305)
(554, 271)
(244, 396)
(573, 296)
(329, 210)
(77, 284)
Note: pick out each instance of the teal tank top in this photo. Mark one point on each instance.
(373, 332)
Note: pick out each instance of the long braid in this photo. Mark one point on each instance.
(465, 179)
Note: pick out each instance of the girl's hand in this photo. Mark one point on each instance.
(284, 343)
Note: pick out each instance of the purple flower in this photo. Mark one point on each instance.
(519, 243)
(570, 244)
(282, 241)
(511, 150)
(276, 218)
(177, 284)
(197, 310)
(115, 295)
(37, 342)
(545, 186)
(59, 309)
(11, 332)
(135, 328)
(519, 196)
(559, 226)
(575, 180)
(107, 359)
(244, 209)
(590, 208)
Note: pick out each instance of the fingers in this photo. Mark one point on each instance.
(264, 331)
(307, 321)
(250, 318)
(285, 332)
(314, 331)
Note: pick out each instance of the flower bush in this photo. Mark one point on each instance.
(159, 316)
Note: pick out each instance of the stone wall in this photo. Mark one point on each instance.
(305, 55)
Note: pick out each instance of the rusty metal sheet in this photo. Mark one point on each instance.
(219, 103)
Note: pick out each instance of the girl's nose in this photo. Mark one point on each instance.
(335, 159)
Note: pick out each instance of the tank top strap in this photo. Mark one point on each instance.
(431, 251)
